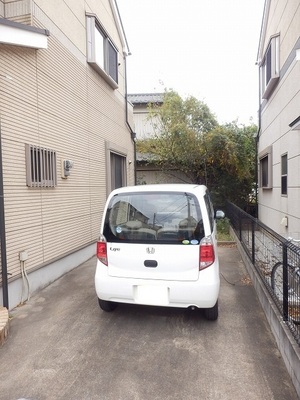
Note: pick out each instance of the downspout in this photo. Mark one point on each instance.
(257, 140)
(256, 163)
(258, 62)
(132, 133)
(126, 52)
(2, 233)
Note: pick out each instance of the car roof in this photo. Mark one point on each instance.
(163, 187)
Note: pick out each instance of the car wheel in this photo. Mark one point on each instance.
(212, 313)
(107, 306)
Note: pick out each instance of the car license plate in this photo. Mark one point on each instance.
(151, 295)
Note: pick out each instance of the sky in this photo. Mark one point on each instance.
(201, 48)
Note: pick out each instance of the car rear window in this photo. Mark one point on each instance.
(160, 217)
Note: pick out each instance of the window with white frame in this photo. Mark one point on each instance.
(265, 164)
(284, 174)
(269, 69)
(102, 54)
(40, 167)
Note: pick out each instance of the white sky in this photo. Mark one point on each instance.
(203, 48)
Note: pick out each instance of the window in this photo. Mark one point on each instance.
(118, 171)
(116, 166)
(210, 210)
(40, 167)
(284, 174)
(269, 69)
(102, 54)
(154, 217)
(265, 163)
(264, 171)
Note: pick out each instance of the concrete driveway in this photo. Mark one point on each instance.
(62, 346)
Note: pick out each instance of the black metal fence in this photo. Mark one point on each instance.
(277, 261)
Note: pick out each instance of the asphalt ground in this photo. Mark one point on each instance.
(62, 346)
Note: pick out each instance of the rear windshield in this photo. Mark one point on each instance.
(148, 217)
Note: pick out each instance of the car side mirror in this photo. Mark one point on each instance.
(220, 214)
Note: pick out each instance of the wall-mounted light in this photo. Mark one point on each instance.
(66, 166)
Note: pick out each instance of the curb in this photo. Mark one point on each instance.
(229, 243)
(3, 325)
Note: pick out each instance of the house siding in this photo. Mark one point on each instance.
(277, 112)
(144, 127)
(52, 98)
(150, 174)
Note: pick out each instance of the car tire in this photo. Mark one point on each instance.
(212, 313)
(107, 306)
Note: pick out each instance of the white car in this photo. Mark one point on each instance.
(157, 247)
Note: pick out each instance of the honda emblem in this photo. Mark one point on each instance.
(150, 250)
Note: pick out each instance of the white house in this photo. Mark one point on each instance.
(279, 118)
(65, 135)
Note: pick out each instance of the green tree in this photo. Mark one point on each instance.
(231, 162)
(179, 126)
(188, 138)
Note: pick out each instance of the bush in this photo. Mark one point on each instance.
(223, 231)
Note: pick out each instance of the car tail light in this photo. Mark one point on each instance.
(102, 250)
(207, 253)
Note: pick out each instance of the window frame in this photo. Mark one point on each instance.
(117, 165)
(102, 61)
(131, 219)
(112, 149)
(284, 175)
(266, 161)
(40, 167)
(269, 68)
(210, 210)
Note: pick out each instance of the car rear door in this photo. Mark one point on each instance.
(154, 236)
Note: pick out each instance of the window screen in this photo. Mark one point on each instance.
(40, 166)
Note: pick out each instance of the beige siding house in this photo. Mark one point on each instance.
(148, 172)
(65, 135)
(279, 131)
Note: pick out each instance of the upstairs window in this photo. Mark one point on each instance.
(40, 167)
(102, 54)
(269, 69)
(284, 174)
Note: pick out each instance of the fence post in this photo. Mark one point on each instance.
(253, 241)
(285, 282)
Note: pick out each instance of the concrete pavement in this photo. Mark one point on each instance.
(4, 325)
(61, 346)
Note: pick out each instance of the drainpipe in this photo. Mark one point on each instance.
(257, 140)
(126, 52)
(256, 163)
(132, 133)
(2, 233)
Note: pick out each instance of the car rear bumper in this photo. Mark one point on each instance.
(202, 293)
